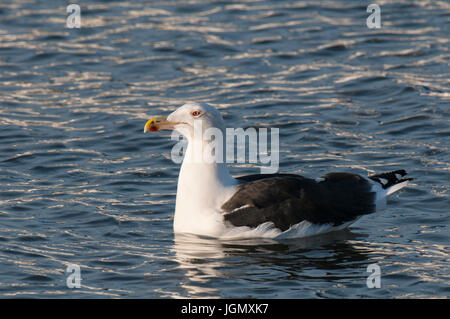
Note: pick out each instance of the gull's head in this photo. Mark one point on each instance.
(186, 118)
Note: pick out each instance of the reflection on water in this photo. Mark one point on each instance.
(80, 183)
(294, 264)
(340, 259)
(206, 261)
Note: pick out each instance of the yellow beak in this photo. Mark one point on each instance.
(158, 123)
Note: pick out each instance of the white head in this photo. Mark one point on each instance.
(190, 115)
(184, 118)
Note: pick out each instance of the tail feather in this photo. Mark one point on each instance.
(391, 181)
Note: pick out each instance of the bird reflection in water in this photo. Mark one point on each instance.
(208, 263)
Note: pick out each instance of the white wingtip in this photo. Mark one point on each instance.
(396, 187)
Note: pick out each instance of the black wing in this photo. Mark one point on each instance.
(287, 199)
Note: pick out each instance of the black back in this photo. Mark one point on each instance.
(287, 199)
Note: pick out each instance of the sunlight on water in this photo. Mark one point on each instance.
(80, 183)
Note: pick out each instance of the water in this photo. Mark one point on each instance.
(81, 184)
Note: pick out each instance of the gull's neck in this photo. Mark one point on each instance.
(203, 186)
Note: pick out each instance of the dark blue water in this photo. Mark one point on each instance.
(81, 184)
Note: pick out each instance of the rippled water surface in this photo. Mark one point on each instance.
(81, 184)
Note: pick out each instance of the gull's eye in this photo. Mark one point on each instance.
(195, 113)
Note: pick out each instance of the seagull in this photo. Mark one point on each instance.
(210, 202)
